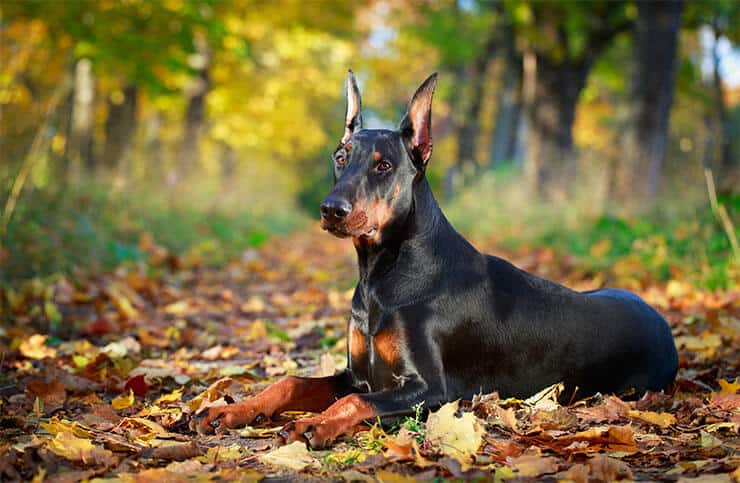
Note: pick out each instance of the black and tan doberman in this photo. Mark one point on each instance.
(433, 319)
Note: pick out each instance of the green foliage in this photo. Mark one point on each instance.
(94, 228)
(135, 40)
(665, 243)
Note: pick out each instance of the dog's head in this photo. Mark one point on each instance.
(375, 170)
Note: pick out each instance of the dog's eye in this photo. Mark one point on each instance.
(339, 160)
(384, 166)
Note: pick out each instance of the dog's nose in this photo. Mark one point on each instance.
(335, 209)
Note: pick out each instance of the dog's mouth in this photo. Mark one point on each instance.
(340, 230)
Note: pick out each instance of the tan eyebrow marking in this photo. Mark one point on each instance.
(377, 156)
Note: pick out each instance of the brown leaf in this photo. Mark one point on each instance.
(533, 466)
(52, 393)
(612, 409)
(615, 438)
(604, 468)
(174, 452)
(727, 402)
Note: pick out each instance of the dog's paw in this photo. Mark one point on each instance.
(319, 432)
(221, 418)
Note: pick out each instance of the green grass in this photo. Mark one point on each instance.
(677, 238)
(94, 228)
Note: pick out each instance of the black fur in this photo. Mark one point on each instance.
(466, 322)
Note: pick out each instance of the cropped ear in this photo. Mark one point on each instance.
(416, 125)
(353, 118)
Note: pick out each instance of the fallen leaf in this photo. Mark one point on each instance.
(56, 426)
(52, 393)
(69, 446)
(727, 402)
(294, 456)
(663, 420)
(390, 477)
(604, 468)
(610, 410)
(533, 465)
(457, 434)
(727, 387)
(546, 399)
(35, 347)
(708, 441)
(218, 454)
(172, 397)
(124, 401)
(138, 385)
(174, 452)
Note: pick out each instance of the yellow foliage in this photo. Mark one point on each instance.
(124, 401)
(456, 436)
(69, 446)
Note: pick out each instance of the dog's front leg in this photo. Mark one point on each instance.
(313, 394)
(345, 415)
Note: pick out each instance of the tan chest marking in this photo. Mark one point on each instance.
(387, 344)
(357, 344)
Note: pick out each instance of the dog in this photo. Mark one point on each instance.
(433, 319)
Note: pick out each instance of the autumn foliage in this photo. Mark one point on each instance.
(130, 357)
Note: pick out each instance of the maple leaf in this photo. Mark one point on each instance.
(456, 434)
(69, 446)
(294, 456)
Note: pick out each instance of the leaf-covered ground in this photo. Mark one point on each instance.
(101, 376)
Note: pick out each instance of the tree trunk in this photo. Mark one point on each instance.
(119, 129)
(655, 44)
(508, 111)
(550, 113)
(195, 114)
(82, 142)
(728, 171)
(468, 123)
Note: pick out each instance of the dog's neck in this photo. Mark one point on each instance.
(418, 233)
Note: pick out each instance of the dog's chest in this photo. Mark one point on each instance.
(375, 352)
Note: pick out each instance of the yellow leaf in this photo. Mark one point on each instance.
(389, 477)
(34, 347)
(457, 436)
(658, 419)
(174, 396)
(69, 446)
(728, 387)
(546, 399)
(222, 453)
(56, 426)
(708, 441)
(123, 401)
(294, 456)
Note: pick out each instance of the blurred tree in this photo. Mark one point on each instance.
(195, 115)
(135, 44)
(721, 19)
(655, 42)
(561, 41)
(120, 124)
(509, 105)
(464, 34)
(82, 141)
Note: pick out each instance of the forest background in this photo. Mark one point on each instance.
(607, 131)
